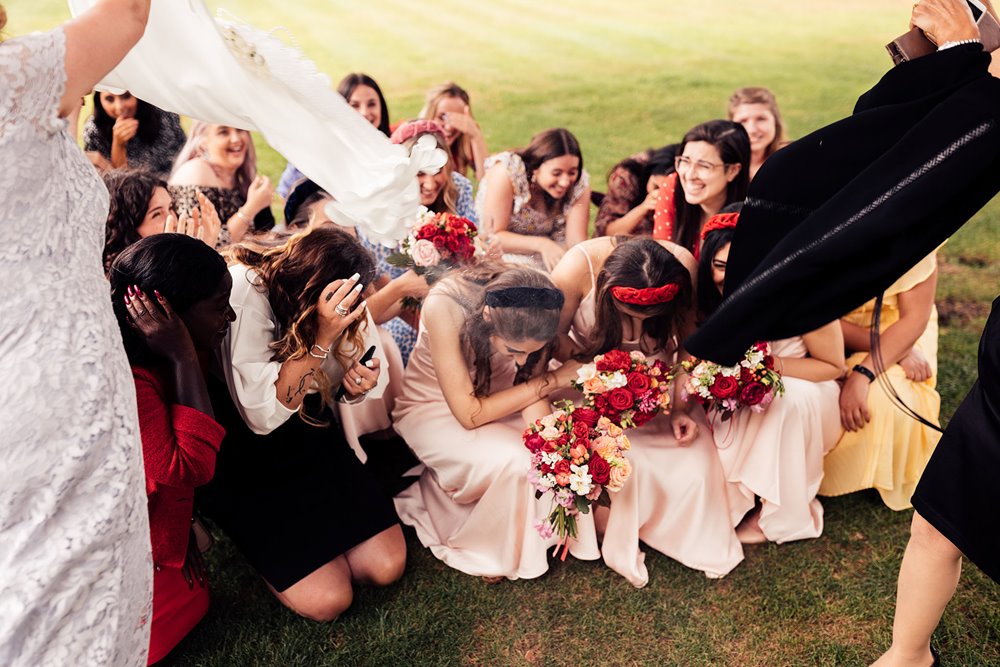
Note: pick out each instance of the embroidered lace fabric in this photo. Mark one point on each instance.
(75, 564)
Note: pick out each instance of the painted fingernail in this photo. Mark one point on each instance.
(370, 364)
(157, 293)
(357, 288)
(128, 302)
(355, 277)
(364, 304)
(130, 292)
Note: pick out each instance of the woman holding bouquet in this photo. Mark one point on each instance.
(636, 294)
(285, 469)
(462, 415)
(537, 199)
(776, 455)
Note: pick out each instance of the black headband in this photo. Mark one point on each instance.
(543, 298)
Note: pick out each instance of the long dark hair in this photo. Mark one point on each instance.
(546, 146)
(130, 192)
(469, 289)
(182, 269)
(708, 294)
(293, 274)
(355, 79)
(639, 263)
(147, 115)
(733, 144)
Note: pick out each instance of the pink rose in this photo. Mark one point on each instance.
(618, 476)
(424, 253)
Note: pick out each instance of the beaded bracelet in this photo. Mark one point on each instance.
(948, 45)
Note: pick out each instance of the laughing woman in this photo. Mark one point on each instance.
(461, 414)
(537, 199)
(220, 162)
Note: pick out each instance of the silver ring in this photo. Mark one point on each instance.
(340, 310)
(357, 381)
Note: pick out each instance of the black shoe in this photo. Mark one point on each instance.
(937, 658)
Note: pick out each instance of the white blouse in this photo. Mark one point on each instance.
(245, 356)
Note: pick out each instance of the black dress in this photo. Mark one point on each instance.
(835, 218)
(294, 499)
(958, 493)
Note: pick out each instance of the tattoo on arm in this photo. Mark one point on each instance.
(304, 383)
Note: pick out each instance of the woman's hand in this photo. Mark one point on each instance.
(944, 20)
(685, 428)
(164, 332)
(551, 253)
(124, 130)
(916, 366)
(854, 402)
(413, 285)
(463, 122)
(361, 378)
(566, 373)
(337, 308)
(259, 195)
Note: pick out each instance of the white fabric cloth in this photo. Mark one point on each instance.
(75, 564)
(245, 356)
(224, 71)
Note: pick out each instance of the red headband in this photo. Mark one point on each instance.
(647, 296)
(720, 221)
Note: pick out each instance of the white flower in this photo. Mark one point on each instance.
(754, 358)
(550, 433)
(615, 380)
(730, 371)
(551, 458)
(586, 372)
(548, 421)
(580, 481)
(546, 481)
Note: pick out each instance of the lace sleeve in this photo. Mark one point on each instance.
(93, 141)
(32, 80)
(514, 166)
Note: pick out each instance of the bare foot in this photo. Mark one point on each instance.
(749, 532)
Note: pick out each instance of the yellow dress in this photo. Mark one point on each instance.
(890, 452)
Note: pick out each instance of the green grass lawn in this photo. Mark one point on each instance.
(622, 78)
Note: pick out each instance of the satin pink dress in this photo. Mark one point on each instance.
(473, 506)
(676, 499)
(778, 454)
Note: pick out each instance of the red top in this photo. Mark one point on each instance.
(179, 445)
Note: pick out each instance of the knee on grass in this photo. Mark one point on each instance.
(321, 604)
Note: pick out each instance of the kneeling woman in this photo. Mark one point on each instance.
(636, 294)
(285, 471)
(171, 298)
(776, 456)
(459, 411)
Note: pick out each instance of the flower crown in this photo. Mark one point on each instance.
(720, 221)
(646, 296)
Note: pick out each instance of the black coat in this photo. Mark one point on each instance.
(835, 218)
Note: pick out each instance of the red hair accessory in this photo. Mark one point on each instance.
(647, 296)
(413, 128)
(720, 221)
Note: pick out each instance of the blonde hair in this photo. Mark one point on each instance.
(461, 153)
(447, 199)
(193, 148)
(760, 95)
(3, 17)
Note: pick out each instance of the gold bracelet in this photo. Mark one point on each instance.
(242, 216)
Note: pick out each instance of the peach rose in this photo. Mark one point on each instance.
(424, 253)
(619, 475)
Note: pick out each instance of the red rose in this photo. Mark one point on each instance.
(601, 403)
(545, 469)
(621, 398)
(440, 242)
(638, 383)
(453, 244)
(615, 360)
(534, 442)
(642, 418)
(724, 387)
(746, 376)
(581, 430)
(427, 231)
(563, 439)
(586, 416)
(599, 469)
(753, 393)
(561, 467)
(769, 362)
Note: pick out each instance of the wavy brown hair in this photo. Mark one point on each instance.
(130, 192)
(469, 289)
(639, 263)
(760, 95)
(294, 274)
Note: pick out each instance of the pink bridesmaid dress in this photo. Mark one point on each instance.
(473, 506)
(676, 499)
(778, 454)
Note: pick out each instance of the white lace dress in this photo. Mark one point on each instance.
(75, 564)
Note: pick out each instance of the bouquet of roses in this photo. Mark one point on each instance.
(753, 383)
(579, 457)
(625, 387)
(437, 243)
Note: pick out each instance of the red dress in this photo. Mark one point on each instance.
(179, 445)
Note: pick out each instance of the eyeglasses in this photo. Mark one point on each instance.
(700, 168)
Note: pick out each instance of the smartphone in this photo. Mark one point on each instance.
(365, 358)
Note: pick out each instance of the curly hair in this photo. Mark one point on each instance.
(293, 274)
(130, 191)
(639, 263)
